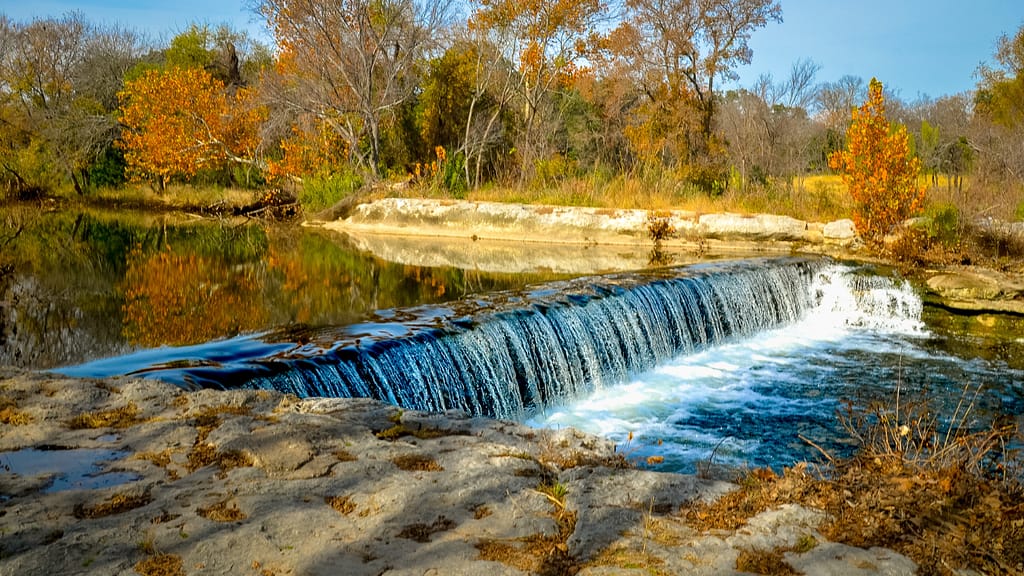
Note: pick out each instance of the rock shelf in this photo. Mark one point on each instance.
(256, 482)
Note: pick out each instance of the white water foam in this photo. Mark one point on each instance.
(748, 400)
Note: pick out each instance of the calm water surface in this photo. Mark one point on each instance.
(79, 286)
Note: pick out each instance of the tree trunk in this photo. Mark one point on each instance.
(77, 184)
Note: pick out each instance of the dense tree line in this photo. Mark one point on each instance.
(462, 94)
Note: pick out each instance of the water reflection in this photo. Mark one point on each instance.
(91, 284)
(185, 298)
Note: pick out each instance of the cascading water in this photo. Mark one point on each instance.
(512, 359)
(756, 401)
(731, 361)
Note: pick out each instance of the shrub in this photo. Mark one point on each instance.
(878, 168)
(323, 191)
(660, 228)
(453, 175)
(942, 222)
(109, 169)
(553, 169)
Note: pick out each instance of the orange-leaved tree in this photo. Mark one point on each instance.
(180, 120)
(879, 169)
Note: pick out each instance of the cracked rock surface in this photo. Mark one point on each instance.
(256, 482)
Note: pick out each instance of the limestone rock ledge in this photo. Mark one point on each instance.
(579, 225)
(977, 290)
(256, 482)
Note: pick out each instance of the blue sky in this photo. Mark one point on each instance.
(916, 47)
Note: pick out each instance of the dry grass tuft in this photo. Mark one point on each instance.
(544, 554)
(344, 456)
(343, 504)
(161, 459)
(222, 512)
(161, 565)
(205, 454)
(202, 454)
(400, 430)
(422, 532)
(116, 504)
(10, 415)
(122, 417)
(628, 558)
(210, 416)
(416, 463)
(764, 562)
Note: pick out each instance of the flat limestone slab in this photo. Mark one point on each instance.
(563, 224)
(258, 482)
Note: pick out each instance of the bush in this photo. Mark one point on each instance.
(708, 177)
(879, 169)
(453, 176)
(108, 171)
(323, 191)
(553, 169)
(660, 228)
(942, 222)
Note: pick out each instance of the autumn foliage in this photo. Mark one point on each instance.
(186, 299)
(878, 169)
(181, 120)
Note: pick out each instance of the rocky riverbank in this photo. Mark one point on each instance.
(254, 482)
(467, 220)
(501, 237)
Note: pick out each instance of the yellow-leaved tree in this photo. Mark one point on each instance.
(878, 169)
(180, 120)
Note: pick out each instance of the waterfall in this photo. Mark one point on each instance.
(513, 355)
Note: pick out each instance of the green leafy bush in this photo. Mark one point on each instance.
(323, 191)
(453, 175)
(942, 222)
(108, 171)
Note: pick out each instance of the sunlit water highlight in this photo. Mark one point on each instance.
(748, 402)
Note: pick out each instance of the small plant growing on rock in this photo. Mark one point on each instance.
(422, 532)
(161, 565)
(222, 511)
(660, 228)
(9, 414)
(343, 504)
(116, 504)
(554, 491)
(122, 417)
(416, 463)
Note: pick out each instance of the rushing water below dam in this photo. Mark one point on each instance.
(736, 362)
(753, 401)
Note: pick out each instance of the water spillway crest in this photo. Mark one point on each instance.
(515, 356)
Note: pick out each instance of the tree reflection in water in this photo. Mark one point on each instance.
(85, 285)
(180, 299)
